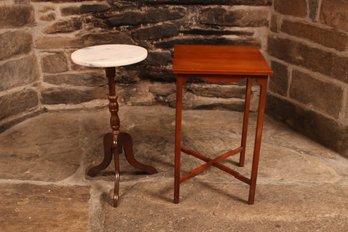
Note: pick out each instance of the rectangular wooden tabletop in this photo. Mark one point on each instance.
(220, 60)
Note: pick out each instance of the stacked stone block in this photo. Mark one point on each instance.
(19, 70)
(308, 45)
(38, 37)
(66, 25)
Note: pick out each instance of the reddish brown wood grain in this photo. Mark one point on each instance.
(220, 64)
(221, 60)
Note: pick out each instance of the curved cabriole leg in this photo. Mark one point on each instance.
(125, 140)
(117, 176)
(107, 141)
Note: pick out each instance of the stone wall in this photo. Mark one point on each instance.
(40, 35)
(19, 70)
(156, 25)
(308, 48)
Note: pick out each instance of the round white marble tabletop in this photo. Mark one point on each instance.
(109, 55)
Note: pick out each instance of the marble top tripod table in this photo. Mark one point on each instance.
(110, 56)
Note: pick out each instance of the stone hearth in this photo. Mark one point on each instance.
(43, 187)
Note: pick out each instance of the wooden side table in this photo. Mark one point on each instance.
(220, 64)
(110, 56)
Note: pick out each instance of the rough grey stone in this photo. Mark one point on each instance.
(154, 144)
(84, 9)
(199, 102)
(279, 80)
(312, 92)
(36, 158)
(126, 75)
(127, 18)
(327, 37)
(295, 8)
(300, 54)
(152, 15)
(163, 89)
(221, 207)
(274, 23)
(54, 63)
(70, 10)
(241, 18)
(191, 101)
(136, 94)
(316, 126)
(18, 102)
(300, 146)
(157, 74)
(126, 4)
(156, 32)
(335, 14)
(159, 58)
(215, 90)
(45, 9)
(313, 9)
(19, 72)
(210, 2)
(48, 17)
(14, 43)
(28, 207)
(64, 26)
(90, 79)
(204, 31)
(93, 8)
(90, 23)
(346, 112)
(340, 68)
(57, 42)
(205, 40)
(62, 1)
(98, 38)
(287, 197)
(198, 96)
(22, 1)
(16, 16)
(71, 95)
(7, 124)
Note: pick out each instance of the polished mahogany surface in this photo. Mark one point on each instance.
(220, 60)
(228, 64)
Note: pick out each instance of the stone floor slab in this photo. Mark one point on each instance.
(208, 206)
(28, 207)
(45, 148)
(302, 186)
(153, 135)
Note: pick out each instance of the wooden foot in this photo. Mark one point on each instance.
(107, 141)
(125, 140)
